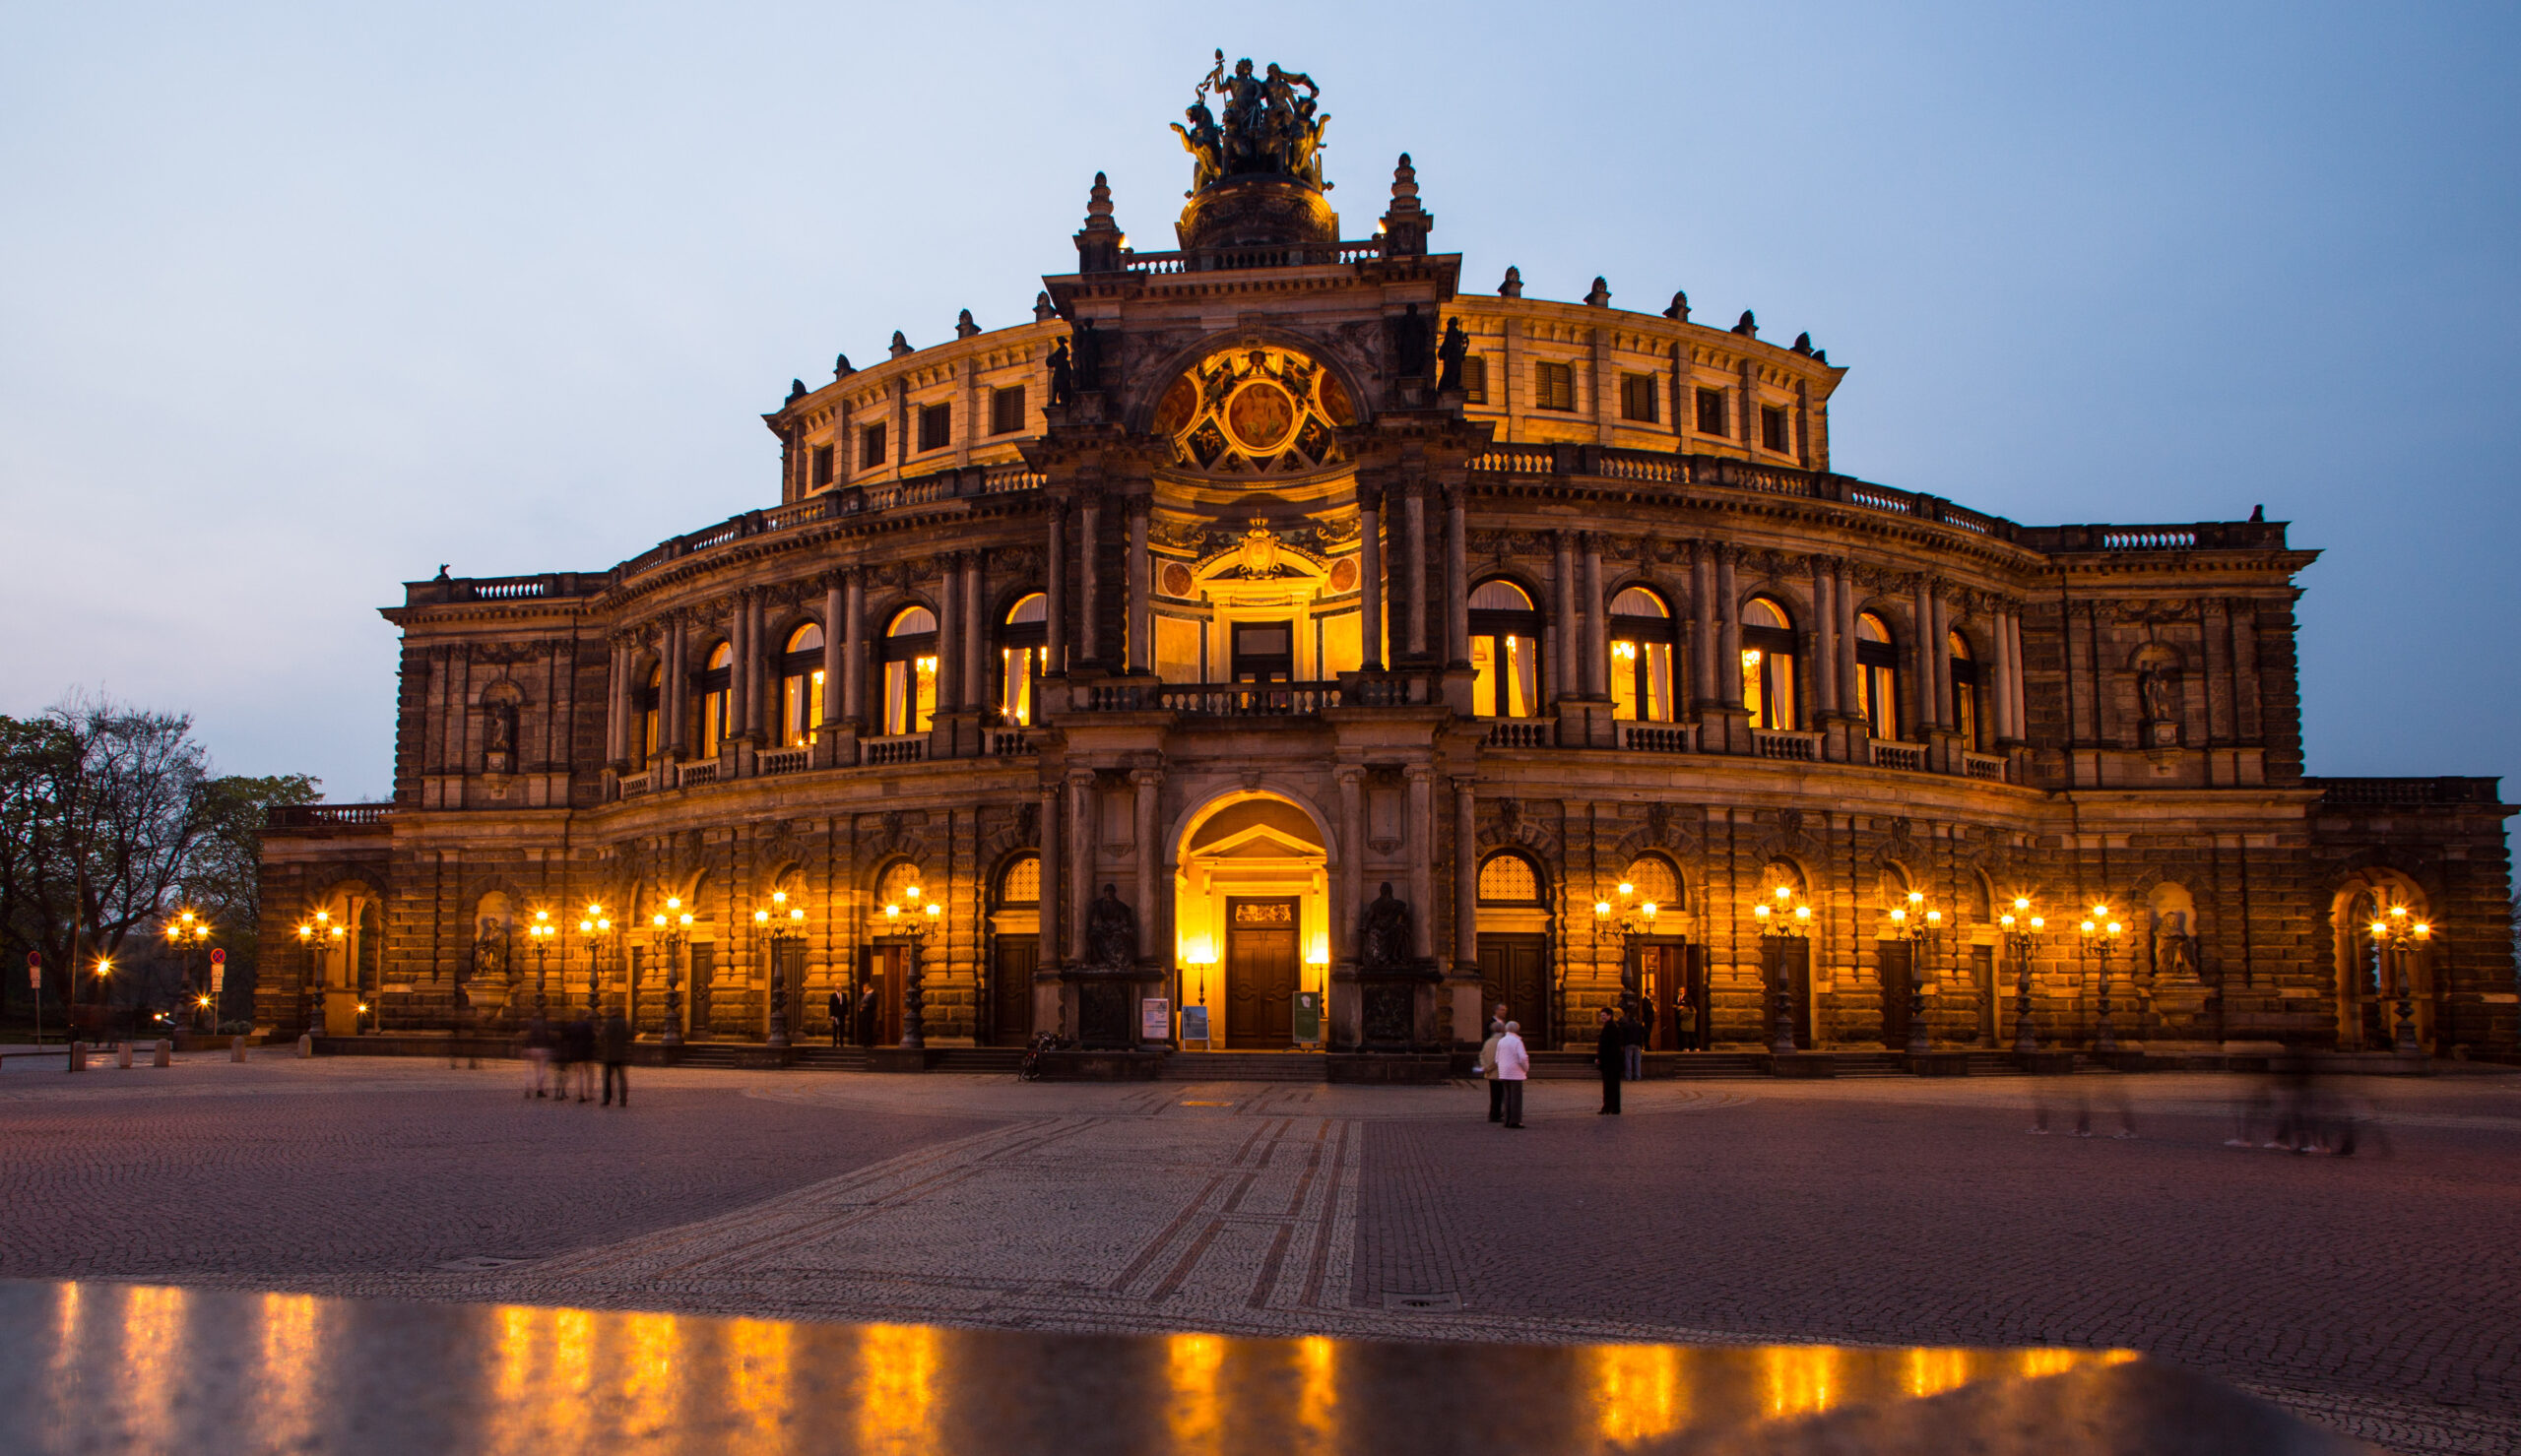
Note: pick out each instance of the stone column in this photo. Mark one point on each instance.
(1596, 641)
(1047, 962)
(1370, 574)
(1921, 612)
(759, 710)
(1457, 576)
(1824, 636)
(1349, 900)
(1413, 515)
(1146, 784)
(835, 661)
(1702, 664)
(1055, 592)
(677, 708)
(1939, 652)
(738, 667)
(1564, 624)
(1844, 593)
(1089, 633)
(2013, 674)
(1728, 626)
(1466, 877)
(616, 686)
(853, 662)
(976, 689)
(1141, 653)
(949, 624)
(1080, 858)
(1422, 859)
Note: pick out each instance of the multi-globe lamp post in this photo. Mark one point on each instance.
(2021, 931)
(1625, 916)
(189, 932)
(1783, 918)
(539, 935)
(782, 923)
(1919, 926)
(2100, 935)
(2395, 935)
(670, 927)
(914, 921)
(595, 928)
(317, 936)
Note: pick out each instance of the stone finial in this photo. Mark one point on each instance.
(1098, 243)
(1405, 226)
(964, 327)
(1680, 308)
(900, 345)
(1601, 297)
(1043, 309)
(1513, 287)
(1820, 355)
(1802, 344)
(796, 390)
(842, 369)
(1098, 202)
(1749, 327)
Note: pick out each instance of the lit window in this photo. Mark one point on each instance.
(1022, 882)
(910, 671)
(1508, 879)
(1024, 656)
(1768, 664)
(1877, 677)
(1505, 652)
(1964, 694)
(1641, 651)
(1652, 878)
(715, 685)
(801, 688)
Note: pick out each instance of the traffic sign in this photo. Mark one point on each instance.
(218, 955)
(35, 969)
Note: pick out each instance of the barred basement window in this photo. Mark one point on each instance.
(935, 426)
(1007, 410)
(1773, 428)
(1711, 412)
(1637, 398)
(823, 466)
(1475, 378)
(1554, 386)
(870, 448)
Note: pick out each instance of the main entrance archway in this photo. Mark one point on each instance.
(1252, 907)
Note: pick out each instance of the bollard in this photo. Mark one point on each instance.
(122, 1055)
(306, 1044)
(164, 1054)
(78, 1056)
(235, 1048)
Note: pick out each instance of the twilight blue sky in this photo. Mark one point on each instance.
(298, 302)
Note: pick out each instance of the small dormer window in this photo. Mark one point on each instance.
(1711, 412)
(1007, 410)
(1773, 432)
(1554, 386)
(1637, 398)
(935, 426)
(870, 448)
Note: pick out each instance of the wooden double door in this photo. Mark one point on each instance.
(1012, 959)
(1671, 976)
(1895, 963)
(1514, 972)
(885, 969)
(1262, 970)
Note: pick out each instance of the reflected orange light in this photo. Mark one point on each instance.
(897, 1389)
(1798, 1380)
(1934, 1371)
(285, 1419)
(1317, 1397)
(1637, 1391)
(648, 1385)
(759, 1382)
(1192, 1417)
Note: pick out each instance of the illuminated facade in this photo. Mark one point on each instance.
(1268, 620)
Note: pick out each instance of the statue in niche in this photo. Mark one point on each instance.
(2174, 949)
(1450, 356)
(1409, 341)
(1062, 375)
(1383, 941)
(490, 951)
(2159, 692)
(1111, 931)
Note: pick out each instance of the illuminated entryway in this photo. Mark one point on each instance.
(1251, 901)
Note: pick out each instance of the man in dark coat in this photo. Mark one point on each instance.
(1610, 1054)
(867, 1008)
(616, 1055)
(839, 1015)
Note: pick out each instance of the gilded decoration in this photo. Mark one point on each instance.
(1254, 410)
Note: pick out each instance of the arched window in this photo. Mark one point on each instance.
(1022, 882)
(1964, 694)
(651, 701)
(1508, 878)
(715, 685)
(1505, 652)
(1877, 677)
(1641, 645)
(1768, 664)
(1024, 656)
(900, 884)
(910, 671)
(1653, 881)
(801, 688)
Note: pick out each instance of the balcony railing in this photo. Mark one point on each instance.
(702, 771)
(783, 760)
(1522, 732)
(1987, 766)
(634, 785)
(325, 816)
(1012, 744)
(2407, 792)
(1889, 754)
(900, 748)
(1655, 737)
(1247, 699)
(1780, 743)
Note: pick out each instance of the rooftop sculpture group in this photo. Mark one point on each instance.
(1266, 130)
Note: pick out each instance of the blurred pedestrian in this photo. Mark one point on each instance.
(582, 1054)
(616, 1056)
(1610, 1054)
(1514, 1065)
(537, 1052)
(1684, 1023)
(867, 1008)
(1488, 1071)
(561, 1062)
(839, 1011)
(1634, 1028)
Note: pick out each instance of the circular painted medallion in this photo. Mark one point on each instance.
(1261, 415)
(1343, 574)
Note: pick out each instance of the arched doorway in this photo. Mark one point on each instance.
(1252, 922)
(2372, 977)
(1514, 945)
(1014, 948)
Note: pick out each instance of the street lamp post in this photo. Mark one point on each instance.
(2101, 936)
(539, 935)
(1782, 919)
(783, 922)
(316, 936)
(187, 933)
(595, 928)
(1918, 926)
(913, 924)
(1626, 918)
(672, 926)
(2020, 927)
(2393, 935)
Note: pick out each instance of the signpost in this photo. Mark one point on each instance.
(217, 985)
(1155, 1018)
(34, 978)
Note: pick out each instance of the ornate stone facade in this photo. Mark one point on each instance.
(1247, 580)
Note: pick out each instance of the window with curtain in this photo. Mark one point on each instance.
(650, 705)
(1505, 652)
(715, 685)
(1022, 656)
(910, 671)
(1641, 648)
(1964, 694)
(1768, 665)
(801, 688)
(1877, 677)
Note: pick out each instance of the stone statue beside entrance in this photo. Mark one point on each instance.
(1111, 932)
(1383, 939)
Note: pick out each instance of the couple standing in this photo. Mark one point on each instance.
(1507, 1065)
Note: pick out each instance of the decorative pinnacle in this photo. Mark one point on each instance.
(964, 327)
(1513, 287)
(901, 345)
(1601, 297)
(1749, 327)
(1098, 207)
(1043, 309)
(1406, 225)
(841, 368)
(1680, 308)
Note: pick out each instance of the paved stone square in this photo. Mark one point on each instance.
(2375, 1292)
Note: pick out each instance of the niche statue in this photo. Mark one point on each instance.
(1111, 932)
(1382, 942)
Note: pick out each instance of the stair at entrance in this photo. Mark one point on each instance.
(1246, 1066)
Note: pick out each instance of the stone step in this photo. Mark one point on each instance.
(1246, 1066)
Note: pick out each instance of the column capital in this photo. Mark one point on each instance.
(1349, 775)
(1146, 778)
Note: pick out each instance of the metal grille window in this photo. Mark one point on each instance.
(1508, 879)
(1637, 398)
(1554, 386)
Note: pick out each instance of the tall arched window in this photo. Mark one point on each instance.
(1023, 656)
(1877, 677)
(1964, 694)
(801, 688)
(1505, 652)
(715, 686)
(910, 671)
(1641, 657)
(651, 703)
(1022, 882)
(1768, 664)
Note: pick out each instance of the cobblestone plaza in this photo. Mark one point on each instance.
(2374, 1293)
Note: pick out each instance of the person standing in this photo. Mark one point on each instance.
(1634, 1025)
(582, 1055)
(839, 1010)
(1610, 1054)
(537, 1052)
(616, 1056)
(1514, 1065)
(1488, 1069)
(867, 1007)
